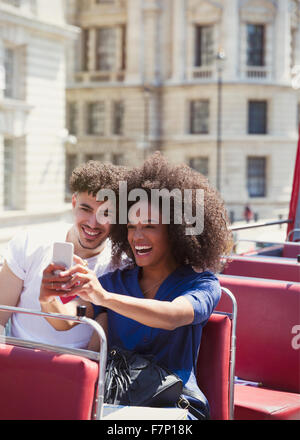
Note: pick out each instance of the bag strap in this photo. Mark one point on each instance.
(183, 403)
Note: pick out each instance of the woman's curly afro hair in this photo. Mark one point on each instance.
(203, 251)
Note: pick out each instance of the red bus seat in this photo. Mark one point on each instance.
(267, 312)
(291, 250)
(36, 384)
(213, 365)
(260, 267)
(42, 385)
(253, 403)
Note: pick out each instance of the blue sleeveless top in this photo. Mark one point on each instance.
(175, 349)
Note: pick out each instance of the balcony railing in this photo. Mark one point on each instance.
(100, 76)
(249, 73)
(257, 72)
(203, 72)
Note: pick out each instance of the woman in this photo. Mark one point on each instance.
(161, 304)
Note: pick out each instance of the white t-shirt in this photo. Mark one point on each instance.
(27, 255)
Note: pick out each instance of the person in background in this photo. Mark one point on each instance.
(248, 214)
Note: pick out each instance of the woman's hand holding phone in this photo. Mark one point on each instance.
(83, 283)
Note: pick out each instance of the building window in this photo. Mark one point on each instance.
(257, 117)
(10, 174)
(123, 47)
(95, 156)
(118, 117)
(71, 162)
(294, 33)
(84, 48)
(199, 116)
(10, 72)
(118, 159)
(72, 117)
(256, 176)
(96, 118)
(106, 49)
(204, 46)
(199, 164)
(14, 68)
(255, 45)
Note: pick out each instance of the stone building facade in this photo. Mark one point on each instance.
(208, 82)
(33, 42)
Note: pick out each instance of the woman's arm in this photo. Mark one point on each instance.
(166, 315)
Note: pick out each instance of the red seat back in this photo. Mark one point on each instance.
(213, 365)
(267, 312)
(263, 268)
(42, 385)
(291, 250)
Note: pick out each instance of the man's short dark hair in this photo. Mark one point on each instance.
(93, 175)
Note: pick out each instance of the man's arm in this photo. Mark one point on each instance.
(94, 343)
(56, 306)
(10, 290)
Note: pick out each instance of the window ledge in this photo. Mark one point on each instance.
(15, 104)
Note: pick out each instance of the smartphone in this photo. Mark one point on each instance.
(63, 254)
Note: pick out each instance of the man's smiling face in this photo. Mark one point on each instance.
(89, 233)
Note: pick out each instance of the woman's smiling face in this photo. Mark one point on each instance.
(148, 236)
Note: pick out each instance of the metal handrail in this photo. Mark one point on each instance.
(291, 232)
(26, 343)
(233, 317)
(259, 225)
(269, 242)
(99, 399)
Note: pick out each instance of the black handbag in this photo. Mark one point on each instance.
(137, 380)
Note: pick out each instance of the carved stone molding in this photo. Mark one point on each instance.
(14, 34)
(205, 11)
(258, 11)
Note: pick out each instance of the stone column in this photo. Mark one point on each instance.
(151, 21)
(230, 37)
(152, 75)
(179, 40)
(283, 41)
(134, 42)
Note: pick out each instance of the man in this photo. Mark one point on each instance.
(29, 253)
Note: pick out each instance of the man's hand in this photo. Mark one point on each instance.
(53, 283)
